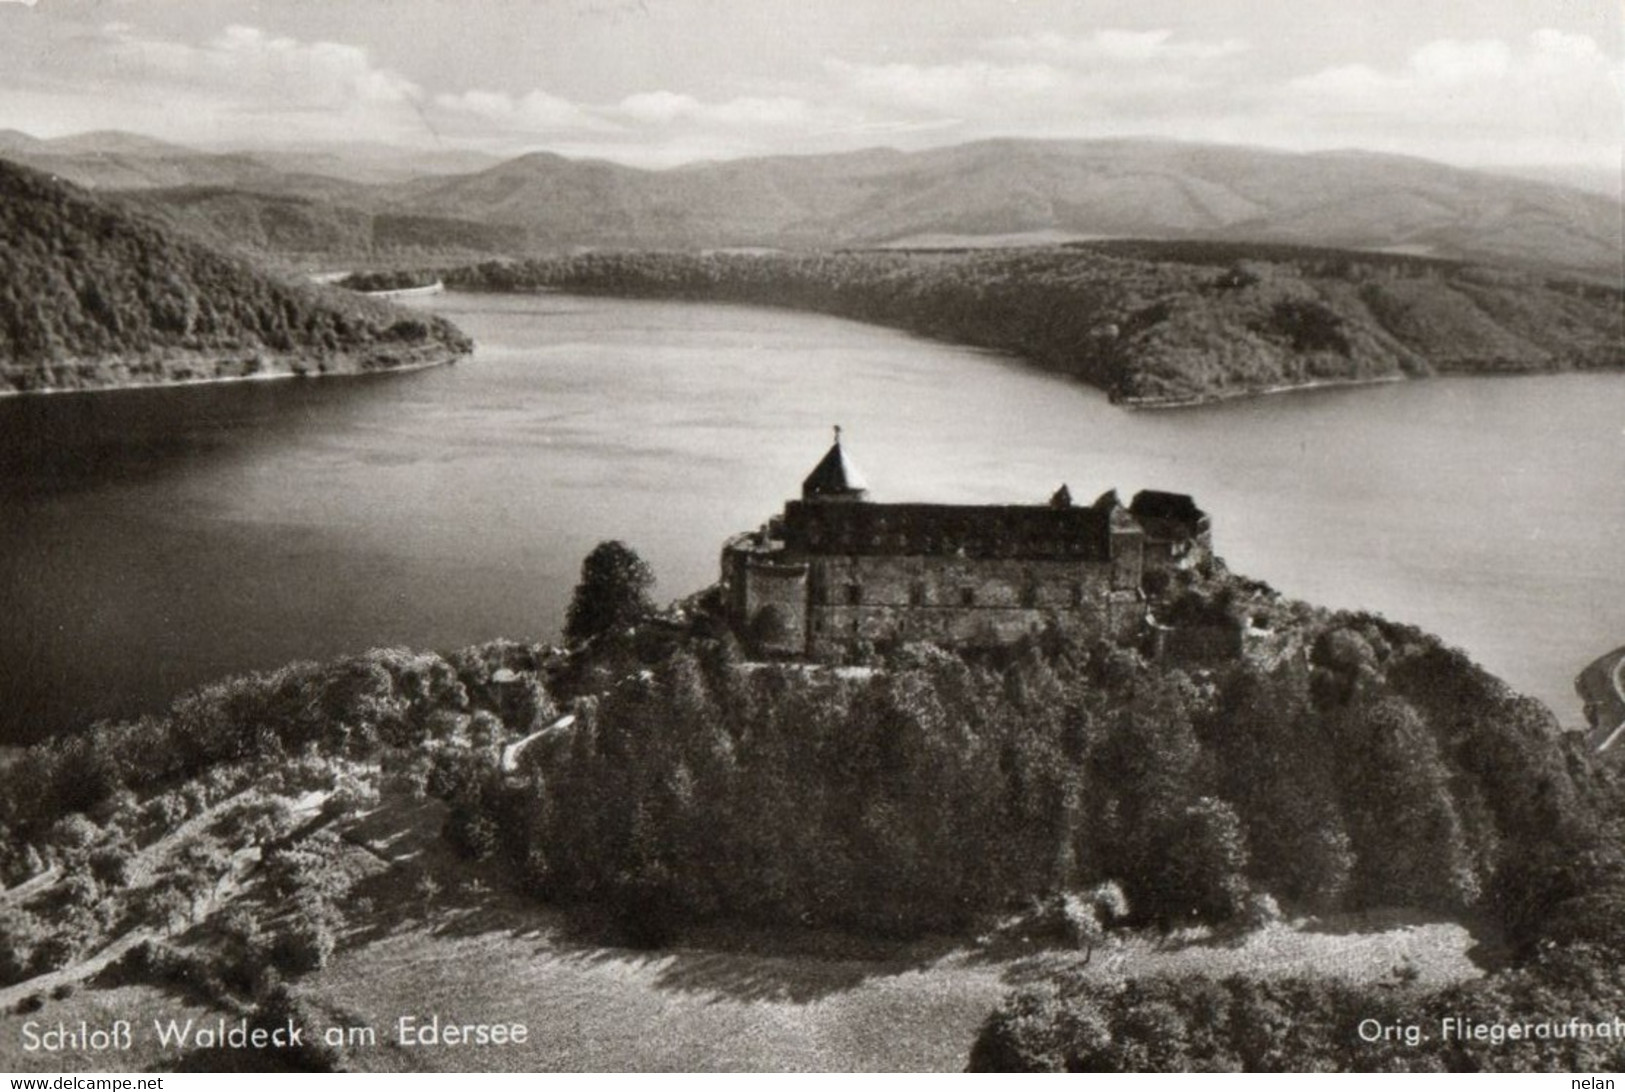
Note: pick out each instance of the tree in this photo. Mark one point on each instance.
(613, 593)
(1201, 864)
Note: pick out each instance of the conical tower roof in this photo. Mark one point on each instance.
(835, 477)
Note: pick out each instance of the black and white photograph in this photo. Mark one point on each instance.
(834, 536)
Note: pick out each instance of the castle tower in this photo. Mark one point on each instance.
(835, 478)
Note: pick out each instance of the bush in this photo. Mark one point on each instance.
(280, 1007)
(1081, 922)
(156, 963)
(1184, 1023)
(55, 952)
(73, 835)
(1035, 1031)
(1109, 902)
(471, 832)
(1260, 911)
(302, 944)
(1078, 919)
(20, 932)
(110, 865)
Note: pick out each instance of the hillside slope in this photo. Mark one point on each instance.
(113, 160)
(93, 296)
(110, 159)
(304, 230)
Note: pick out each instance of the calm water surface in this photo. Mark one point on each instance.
(151, 540)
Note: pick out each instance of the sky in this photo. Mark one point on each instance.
(1530, 83)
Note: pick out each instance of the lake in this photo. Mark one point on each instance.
(154, 539)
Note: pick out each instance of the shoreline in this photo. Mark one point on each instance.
(415, 292)
(1332, 384)
(260, 377)
(1255, 392)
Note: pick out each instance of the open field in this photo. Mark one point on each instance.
(590, 1007)
(599, 1008)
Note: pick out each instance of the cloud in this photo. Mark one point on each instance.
(989, 98)
(535, 113)
(664, 108)
(245, 65)
(223, 88)
(664, 127)
(1106, 83)
(1554, 95)
(1450, 62)
(650, 127)
(1114, 47)
(1043, 80)
(24, 3)
(949, 86)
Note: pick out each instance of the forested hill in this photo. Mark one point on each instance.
(93, 295)
(1152, 323)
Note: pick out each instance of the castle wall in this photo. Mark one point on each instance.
(736, 555)
(776, 600)
(963, 602)
(825, 576)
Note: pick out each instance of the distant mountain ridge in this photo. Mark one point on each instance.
(546, 203)
(1123, 188)
(94, 296)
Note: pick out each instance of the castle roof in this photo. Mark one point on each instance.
(1155, 504)
(835, 476)
(1030, 531)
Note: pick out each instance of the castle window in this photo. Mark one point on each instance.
(967, 597)
(916, 594)
(1029, 596)
(1077, 595)
(854, 594)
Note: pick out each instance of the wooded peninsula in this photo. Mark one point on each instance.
(1150, 323)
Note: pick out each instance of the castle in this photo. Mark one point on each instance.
(835, 570)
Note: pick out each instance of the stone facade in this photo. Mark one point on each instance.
(836, 571)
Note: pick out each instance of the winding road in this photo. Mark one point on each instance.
(1602, 687)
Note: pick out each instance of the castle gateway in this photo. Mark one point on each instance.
(835, 570)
